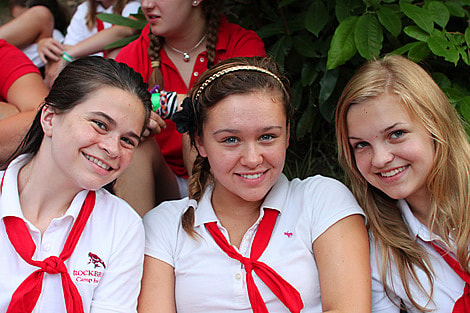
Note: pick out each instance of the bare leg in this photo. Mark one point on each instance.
(148, 180)
(34, 24)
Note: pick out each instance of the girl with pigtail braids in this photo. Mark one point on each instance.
(247, 239)
(182, 40)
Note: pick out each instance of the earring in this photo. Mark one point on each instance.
(194, 2)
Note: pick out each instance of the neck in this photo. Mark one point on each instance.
(41, 201)
(421, 207)
(188, 37)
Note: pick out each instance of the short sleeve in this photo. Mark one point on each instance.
(131, 8)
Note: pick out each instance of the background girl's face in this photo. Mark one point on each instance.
(168, 17)
(245, 139)
(393, 152)
(93, 143)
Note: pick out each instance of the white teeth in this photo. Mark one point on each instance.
(254, 176)
(97, 162)
(393, 172)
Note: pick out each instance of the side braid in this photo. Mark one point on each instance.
(156, 77)
(213, 13)
(91, 15)
(196, 186)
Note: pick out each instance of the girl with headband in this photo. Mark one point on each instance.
(183, 39)
(68, 245)
(407, 156)
(247, 239)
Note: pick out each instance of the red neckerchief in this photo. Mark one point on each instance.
(281, 288)
(25, 297)
(462, 305)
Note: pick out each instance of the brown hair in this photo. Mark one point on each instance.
(448, 181)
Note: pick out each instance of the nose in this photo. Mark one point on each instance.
(146, 4)
(251, 155)
(110, 144)
(382, 155)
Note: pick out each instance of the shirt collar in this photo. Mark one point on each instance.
(416, 228)
(204, 212)
(10, 200)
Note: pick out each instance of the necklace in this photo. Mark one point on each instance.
(186, 57)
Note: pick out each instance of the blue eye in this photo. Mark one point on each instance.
(360, 145)
(230, 140)
(266, 137)
(397, 134)
(128, 142)
(100, 124)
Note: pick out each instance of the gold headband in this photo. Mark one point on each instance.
(233, 69)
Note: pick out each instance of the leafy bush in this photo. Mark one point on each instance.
(322, 43)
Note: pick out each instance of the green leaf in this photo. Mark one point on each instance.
(368, 36)
(122, 42)
(419, 15)
(441, 46)
(439, 12)
(316, 17)
(327, 85)
(464, 108)
(274, 29)
(309, 74)
(441, 79)
(417, 33)
(342, 46)
(343, 8)
(305, 122)
(304, 45)
(390, 20)
(453, 94)
(404, 48)
(116, 19)
(467, 36)
(281, 48)
(418, 52)
(455, 9)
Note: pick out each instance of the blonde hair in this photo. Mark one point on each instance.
(212, 12)
(448, 181)
(118, 6)
(252, 74)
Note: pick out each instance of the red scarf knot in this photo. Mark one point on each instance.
(248, 264)
(54, 265)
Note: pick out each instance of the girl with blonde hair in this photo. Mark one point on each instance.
(407, 158)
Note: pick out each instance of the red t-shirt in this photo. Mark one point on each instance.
(232, 41)
(13, 65)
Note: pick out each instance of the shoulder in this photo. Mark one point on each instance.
(131, 8)
(238, 41)
(320, 185)
(82, 9)
(167, 213)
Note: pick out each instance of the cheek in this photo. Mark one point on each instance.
(362, 161)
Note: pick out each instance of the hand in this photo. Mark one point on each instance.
(155, 126)
(52, 70)
(49, 49)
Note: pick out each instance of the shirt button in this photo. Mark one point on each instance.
(196, 74)
(201, 60)
(238, 276)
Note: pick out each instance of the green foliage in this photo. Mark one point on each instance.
(136, 21)
(322, 43)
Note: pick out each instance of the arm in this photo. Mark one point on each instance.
(26, 94)
(158, 287)
(342, 256)
(34, 24)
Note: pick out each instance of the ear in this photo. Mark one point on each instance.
(47, 115)
(200, 146)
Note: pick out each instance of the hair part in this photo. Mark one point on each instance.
(231, 83)
(448, 181)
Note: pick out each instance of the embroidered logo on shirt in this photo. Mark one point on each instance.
(288, 234)
(96, 260)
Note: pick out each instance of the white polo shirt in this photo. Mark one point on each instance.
(207, 280)
(448, 286)
(106, 265)
(78, 30)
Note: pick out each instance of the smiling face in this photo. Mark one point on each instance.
(245, 138)
(393, 152)
(93, 143)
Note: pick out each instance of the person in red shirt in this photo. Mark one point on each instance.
(22, 90)
(182, 39)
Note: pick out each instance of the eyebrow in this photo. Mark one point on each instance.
(394, 125)
(113, 123)
(235, 131)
